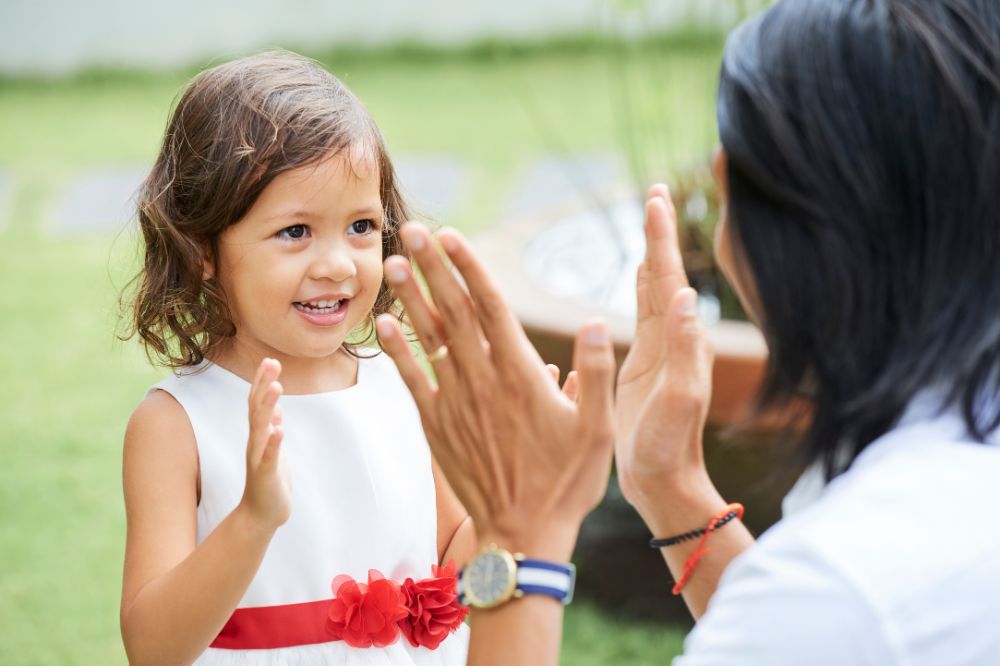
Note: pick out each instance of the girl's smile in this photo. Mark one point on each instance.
(325, 310)
(302, 269)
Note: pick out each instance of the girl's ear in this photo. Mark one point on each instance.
(207, 262)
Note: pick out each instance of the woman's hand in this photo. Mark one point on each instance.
(665, 384)
(267, 496)
(527, 460)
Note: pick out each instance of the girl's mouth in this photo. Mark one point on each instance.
(323, 313)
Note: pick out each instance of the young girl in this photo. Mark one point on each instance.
(298, 522)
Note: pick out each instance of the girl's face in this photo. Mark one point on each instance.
(303, 268)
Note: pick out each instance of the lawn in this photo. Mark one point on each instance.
(70, 386)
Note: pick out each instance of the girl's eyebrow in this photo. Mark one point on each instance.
(297, 213)
(370, 210)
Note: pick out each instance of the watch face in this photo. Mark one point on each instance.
(490, 578)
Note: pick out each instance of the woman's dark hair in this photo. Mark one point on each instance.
(236, 127)
(863, 144)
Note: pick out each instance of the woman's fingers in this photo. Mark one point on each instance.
(424, 316)
(571, 386)
(461, 328)
(663, 266)
(414, 376)
(499, 325)
(594, 362)
(689, 356)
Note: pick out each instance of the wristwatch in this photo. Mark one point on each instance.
(496, 576)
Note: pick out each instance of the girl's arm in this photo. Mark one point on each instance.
(176, 597)
(456, 534)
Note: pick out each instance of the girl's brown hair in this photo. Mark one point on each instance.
(235, 128)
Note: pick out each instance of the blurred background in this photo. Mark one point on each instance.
(532, 126)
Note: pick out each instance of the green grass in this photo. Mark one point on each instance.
(69, 386)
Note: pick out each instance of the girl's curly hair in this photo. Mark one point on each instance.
(235, 128)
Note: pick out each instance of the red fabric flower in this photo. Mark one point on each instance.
(434, 611)
(366, 615)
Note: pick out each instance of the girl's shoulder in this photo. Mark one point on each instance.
(159, 437)
(158, 410)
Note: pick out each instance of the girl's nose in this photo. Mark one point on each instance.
(332, 261)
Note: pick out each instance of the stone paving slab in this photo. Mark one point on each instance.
(103, 200)
(434, 185)
(99, 201)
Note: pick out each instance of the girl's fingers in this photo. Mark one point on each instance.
(272, 447)
(261, 419)
(451, 300)
(394, 343)
(553, 372)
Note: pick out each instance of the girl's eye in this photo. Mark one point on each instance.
(362, 227)
(294, 232)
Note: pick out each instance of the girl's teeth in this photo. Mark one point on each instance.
(321, 306)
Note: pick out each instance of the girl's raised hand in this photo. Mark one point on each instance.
(527, 459)
(267, 494)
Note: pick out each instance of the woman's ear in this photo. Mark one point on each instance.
(720, 169)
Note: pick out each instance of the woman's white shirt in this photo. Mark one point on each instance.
(896, 561)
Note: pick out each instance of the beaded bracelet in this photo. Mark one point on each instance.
(693, 534)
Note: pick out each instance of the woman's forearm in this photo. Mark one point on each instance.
(527, 630)
(680, 511)
(522, 631)
(175, 616)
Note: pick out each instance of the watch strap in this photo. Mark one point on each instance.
(549, 578)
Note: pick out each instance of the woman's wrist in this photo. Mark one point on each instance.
(551, 541)
(679, 506)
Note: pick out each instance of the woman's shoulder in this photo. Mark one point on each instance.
(863, 571)
(901, 532)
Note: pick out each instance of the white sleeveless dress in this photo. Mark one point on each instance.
(362, 498)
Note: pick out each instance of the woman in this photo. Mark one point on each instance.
(859, 162)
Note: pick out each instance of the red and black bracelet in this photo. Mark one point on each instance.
(693, 534)
(730, 513)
